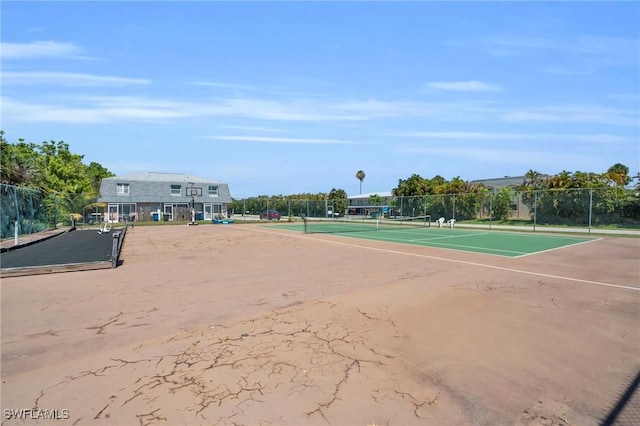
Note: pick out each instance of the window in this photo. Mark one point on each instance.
(122, 189)
(213, 190)
(175, 189)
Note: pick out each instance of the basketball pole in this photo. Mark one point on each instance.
(192, 192)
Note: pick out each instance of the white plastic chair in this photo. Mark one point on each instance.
(105, 229)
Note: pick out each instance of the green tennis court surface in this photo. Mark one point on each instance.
(508, 244)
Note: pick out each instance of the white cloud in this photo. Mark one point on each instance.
(38, 49)
(101, 111)
(562, 70)
(292, 110)
(288, 110)
(18, 111)
(464, 86)
(298, 109)
(522, 42)
(595, 50)
(500, 156)
(374, 108)
(219, 85)
(67, 79)
(266, 139)
(576, 113)
(131, 108)
(253, 129)
(540, 137)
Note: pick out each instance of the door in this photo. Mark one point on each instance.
(208, 211)
(168, 212)
(113, 213)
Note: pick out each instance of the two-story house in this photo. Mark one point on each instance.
(163, 196)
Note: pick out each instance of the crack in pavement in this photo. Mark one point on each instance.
(101, 328)
(227, 373)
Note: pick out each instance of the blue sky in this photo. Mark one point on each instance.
(292, 97)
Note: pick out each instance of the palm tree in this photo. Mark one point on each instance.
(360, 176)
(531, 179)
(618, 174)
(377, 201)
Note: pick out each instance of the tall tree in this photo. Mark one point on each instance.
(502, 203)
(67, 184)
(377, 201)
(339, 199)
(360, 176)
(618, 174)
(95, 173)
(532, 179)
(412, 186)
(20, 164)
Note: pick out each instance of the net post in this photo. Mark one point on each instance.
(304, 219)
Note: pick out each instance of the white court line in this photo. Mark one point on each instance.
(463, 262)
(484, 250)
(558, 248)
(459, 247)
(450, 236)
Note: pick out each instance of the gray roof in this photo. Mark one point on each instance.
(502, 182)
(367, 195)
(164, 177)
(151, 187)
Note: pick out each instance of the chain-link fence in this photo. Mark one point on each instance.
(590, 207)
(288, 208)
(23, 211)
(27, 210)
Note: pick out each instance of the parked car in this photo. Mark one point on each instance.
(270, 215)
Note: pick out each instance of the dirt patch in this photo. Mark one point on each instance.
(250, 325)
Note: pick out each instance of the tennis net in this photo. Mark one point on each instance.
(362, 224)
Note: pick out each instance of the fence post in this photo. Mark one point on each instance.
(15, 199)
(490, 209)
(535, 209)
(32, 221)
(453, 213)
(425, 209)
(590, 207)
(114, 249)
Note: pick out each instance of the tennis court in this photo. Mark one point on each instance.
(508, 244)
